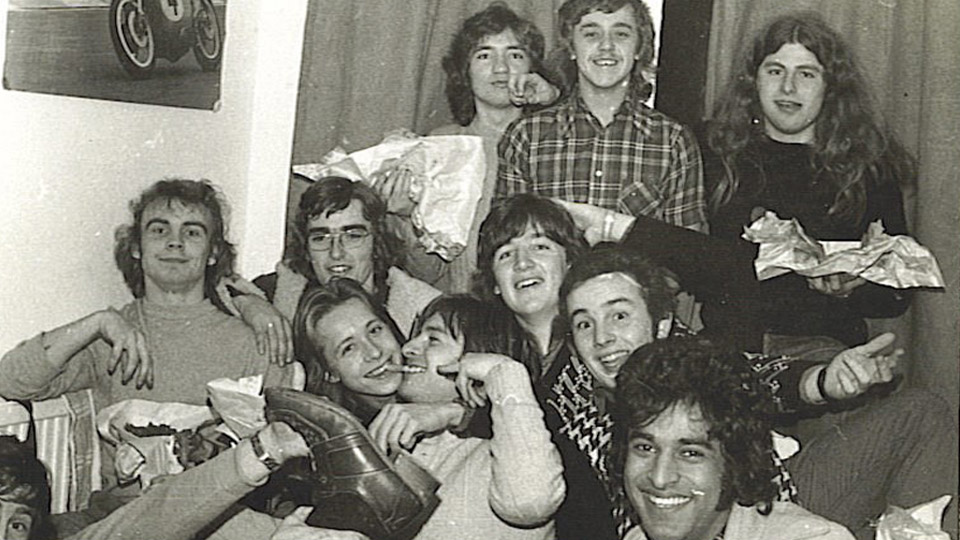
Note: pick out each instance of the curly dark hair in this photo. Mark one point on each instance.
(316, 302)
(496, 18)
(733, 402)
(570, 14)
(657, 289)
(24, 480)
(509, 219)
(200, 193)
(851, 143)
(333, 194)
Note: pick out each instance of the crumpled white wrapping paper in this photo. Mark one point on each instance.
(894, 261)
(922, 522)
(448, 174)
(147, 457)
(240, 403)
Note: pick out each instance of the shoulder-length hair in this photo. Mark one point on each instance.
(496, 18)
(570, 14)
(734, 404)
(851, 144)
(333, 194)
(199, 193)
(316, 302)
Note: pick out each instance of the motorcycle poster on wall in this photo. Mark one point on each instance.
(160, 52)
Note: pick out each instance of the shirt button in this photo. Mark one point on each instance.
(598, 173)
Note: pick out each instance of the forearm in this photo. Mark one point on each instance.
(183, 504)
(527, 484)
(27, 371)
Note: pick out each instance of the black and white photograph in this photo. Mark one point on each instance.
(480, 270)
(124, 50)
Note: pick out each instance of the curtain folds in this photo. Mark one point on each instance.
(908, 51)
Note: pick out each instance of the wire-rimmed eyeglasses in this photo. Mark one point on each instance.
(350, 238)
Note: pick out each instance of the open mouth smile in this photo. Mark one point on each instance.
(527, 283)
(667, 503)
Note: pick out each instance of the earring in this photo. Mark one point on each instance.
(755, 121)
(135, 254)
(211, 261)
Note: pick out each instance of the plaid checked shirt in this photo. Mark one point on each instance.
(643, 163)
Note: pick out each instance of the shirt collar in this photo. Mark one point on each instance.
(574, 105)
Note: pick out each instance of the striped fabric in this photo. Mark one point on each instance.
(66, 443)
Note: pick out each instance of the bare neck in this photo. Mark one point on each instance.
(603, 102)
(173, 295)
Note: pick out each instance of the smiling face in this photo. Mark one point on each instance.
(791, 87)
(434, 346)
(357, 345)
(609, 320)
(495, 58)
(16, 520)
(673, 476)
(175, 248)
(606, 46)
(529, 270)
(341, 260)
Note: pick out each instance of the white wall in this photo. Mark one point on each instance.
(68, 166)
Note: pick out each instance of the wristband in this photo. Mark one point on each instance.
(606, 235)
(821, 385)
(262, 454)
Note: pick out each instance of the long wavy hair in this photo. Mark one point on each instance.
(24, 480)
(199, 193)
(734, 404)
(496, 18)
(851, 144)
(570, 14)
(333, 194)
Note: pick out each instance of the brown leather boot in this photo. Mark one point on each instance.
(353, 485)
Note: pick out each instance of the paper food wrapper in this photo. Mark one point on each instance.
(922, 522)
(894, 261)
(146, 457)
(239, 403)
(448, 175)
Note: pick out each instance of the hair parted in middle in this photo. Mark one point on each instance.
(733, 402)
(333, 194)
(493, 20)
(316, 302)
(569, 16)
(851, 143)
(199, 193)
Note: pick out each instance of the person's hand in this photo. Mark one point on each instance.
(531, 89)
(839, 285)
(294, 527)
(400, 425)
(272, 330)
(394, 188)
(854, 370)
(129, 353)
(473, 368)
(598, 224)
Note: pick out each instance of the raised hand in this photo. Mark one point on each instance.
(129, 353)
(473, 368)
(394, 188)
(854, 370)
(598, 224)
(272, 330)
(400, 425)
(531, 89)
